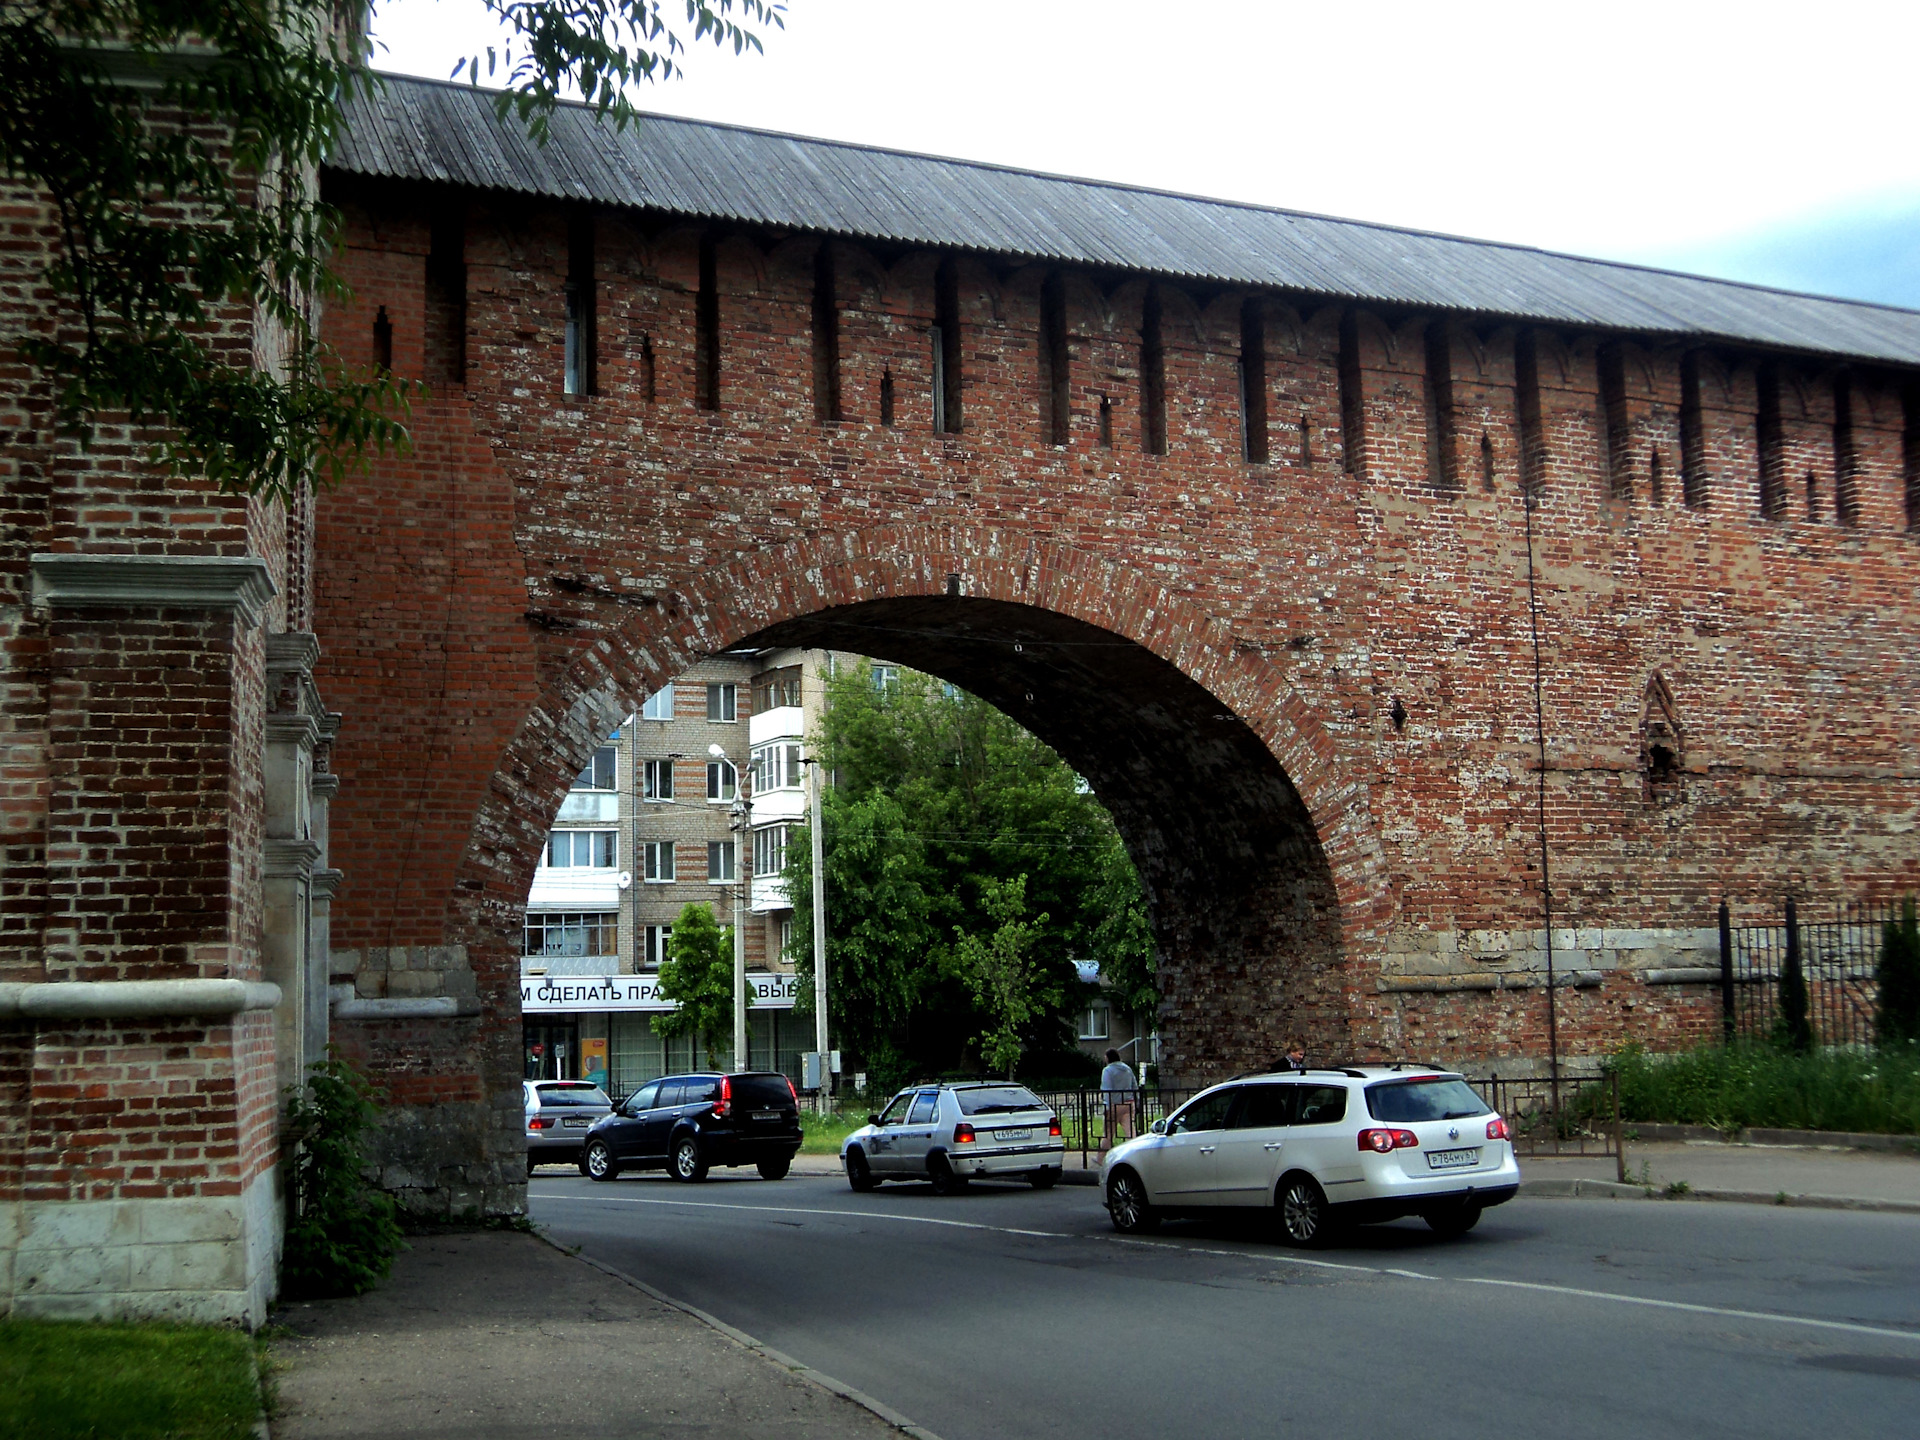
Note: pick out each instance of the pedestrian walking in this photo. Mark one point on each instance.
(1296, 1060)
(1118, 1091)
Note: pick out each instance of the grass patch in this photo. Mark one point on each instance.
(824, 1134)
(1743, 1086)
(70, 1380)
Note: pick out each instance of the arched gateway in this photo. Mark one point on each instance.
(1364, 573)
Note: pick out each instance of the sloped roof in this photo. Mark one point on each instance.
(435, 131)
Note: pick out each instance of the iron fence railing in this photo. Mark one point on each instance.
(1570, 1116)
(1839, 961)
(1092, 1119)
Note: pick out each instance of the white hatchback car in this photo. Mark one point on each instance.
(952, 1133)
(1322, 1148)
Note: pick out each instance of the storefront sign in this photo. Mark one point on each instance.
(606, 993)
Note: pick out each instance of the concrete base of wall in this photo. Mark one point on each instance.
(210, 1260)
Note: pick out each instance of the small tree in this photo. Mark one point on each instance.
(341, 1231)
(1793, 1029)
(1008, 984)
(698, 974)
(1897, 1021)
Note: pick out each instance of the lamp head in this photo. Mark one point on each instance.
(716, 752)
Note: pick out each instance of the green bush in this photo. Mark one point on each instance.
(342, 1233)
(1898, 1020)
(1741, 1086)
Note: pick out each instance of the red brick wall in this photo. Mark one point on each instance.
(491, 605)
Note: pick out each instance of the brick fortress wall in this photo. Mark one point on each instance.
(1359, 600)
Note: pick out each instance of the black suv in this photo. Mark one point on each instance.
(690, 1123)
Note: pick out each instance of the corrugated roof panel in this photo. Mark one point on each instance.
(426, 130)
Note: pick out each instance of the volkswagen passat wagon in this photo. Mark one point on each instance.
(952, 1133)
(1321, 1148)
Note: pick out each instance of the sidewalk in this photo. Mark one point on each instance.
(499, 1336)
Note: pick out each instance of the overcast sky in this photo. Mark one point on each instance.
(1763, 141)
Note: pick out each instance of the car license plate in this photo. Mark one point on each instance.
(1452, 1159)
(579, 1120)
(1016, 1134)
(766, 1114)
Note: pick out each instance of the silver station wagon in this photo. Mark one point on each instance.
(949, 1134)
(1321, 1148)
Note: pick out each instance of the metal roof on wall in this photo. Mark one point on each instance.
(434, 131)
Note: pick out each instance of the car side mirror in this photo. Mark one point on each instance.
(875, 1120)
(1159, 1127)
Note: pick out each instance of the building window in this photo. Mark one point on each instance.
(723, 780)
(720, 862)
(653, 945)
(722, 701)
(777, 767)
(786, 937)
(558, 933)
(656, 779)
(599, 774)
(776, 688)
(583, 849)
(885, 677)
(659, 705)
(657, 861)
(1096, 1021)
(770, 850)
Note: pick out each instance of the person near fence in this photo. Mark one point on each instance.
(1296, 1057)
(1117, 1090)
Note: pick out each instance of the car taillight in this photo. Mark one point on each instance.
(725, 1108)
(1381, 1141)
(1497, 1129)
(793, 1092)
(963, 1134)
(1053, 1128)
(540, 1122)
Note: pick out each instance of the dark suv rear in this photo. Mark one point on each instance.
(690, 1123)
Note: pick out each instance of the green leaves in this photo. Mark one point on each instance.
(1009, 987)
(341, 1231)
(698, 973)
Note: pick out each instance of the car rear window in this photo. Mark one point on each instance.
(762, 1090)
(997, 1100)
(1429, 1097)
(574, 1094)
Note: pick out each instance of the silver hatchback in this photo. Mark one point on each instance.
(559, 1113)
(950, 1134)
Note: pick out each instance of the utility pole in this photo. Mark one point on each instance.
(738, 816)
(817, 836)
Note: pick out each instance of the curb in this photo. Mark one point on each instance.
(878, 1408)
(1797, 1139)
(1614, 1190)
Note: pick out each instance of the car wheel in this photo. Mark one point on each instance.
(774, 1169)
(945, 1181)
(1044, 1179)
(596, 1161)
(1127, 1204)
(1454, 1220)
(1303, 1212)
(859, 1174)
(687, 1164)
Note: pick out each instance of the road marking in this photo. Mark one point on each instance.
(810, 1210)
(1850, 1327)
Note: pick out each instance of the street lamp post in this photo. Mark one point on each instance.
(738, 816)
(817, 836)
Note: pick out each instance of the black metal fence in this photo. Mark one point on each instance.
(1092, 1119)
(1571, 1117)
(1838, 959)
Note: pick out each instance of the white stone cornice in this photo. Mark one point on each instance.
(239, 583)
(293, 650)
(293, 728)
(291, 859)
(133, 999)
(324, 786)
(326, 882)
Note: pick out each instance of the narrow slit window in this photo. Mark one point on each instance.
(1486, 462)
(581, 306)
(1153, 378)
(1442, 460)
(1813, 498)
(446, 317)
(1353, 409)
(1526, 404)
(649, 376)
(1770, 442)
(1694, 484)
(1656, 478)
(1618, 433)
(946, 348)
(1106, 422)
(706, 321)
(1056, 375)
(826, 339)
(382, 341)
(1306, 442)
(1846, 460)
(1253, 382)
(886, 397)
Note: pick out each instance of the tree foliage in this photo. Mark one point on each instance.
(1898, 1019)
(698, 974)
(179, 140)
(945, 815)
(342, 1233)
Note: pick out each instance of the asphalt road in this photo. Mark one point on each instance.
(1005, 1314)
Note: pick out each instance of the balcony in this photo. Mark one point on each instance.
(783, 722)
(770, 893)
(575, 887)
(589, 807)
